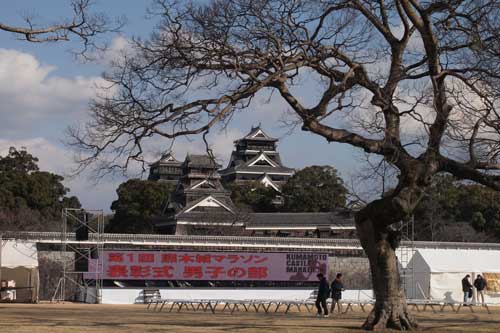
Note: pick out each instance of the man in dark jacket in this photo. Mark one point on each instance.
(467, 289)
(323, 293)
(480, 285)
(337, 288)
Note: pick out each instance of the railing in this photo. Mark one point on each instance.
(230, 241)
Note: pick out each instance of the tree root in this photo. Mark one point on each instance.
(390, 317)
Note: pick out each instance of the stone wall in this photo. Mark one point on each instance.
(355, 271)
(50, 266)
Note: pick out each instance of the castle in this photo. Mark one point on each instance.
(201, 205)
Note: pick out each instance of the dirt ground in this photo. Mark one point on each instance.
(72, 318)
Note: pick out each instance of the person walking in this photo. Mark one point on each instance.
(467, 289)
(337, 289)
(323, 293)
(480, 284)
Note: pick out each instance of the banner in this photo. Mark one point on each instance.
(237, 266)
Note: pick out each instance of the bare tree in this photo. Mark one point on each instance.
(84, 25)
(415, 82)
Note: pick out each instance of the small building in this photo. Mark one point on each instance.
(167, 168)
(256, 158)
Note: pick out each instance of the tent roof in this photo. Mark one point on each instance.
(459, 261)
(19, 254)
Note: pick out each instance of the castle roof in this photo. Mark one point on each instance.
(256, 133)
(167, 159)
(266, 165)
(329, 220)
(201, 161)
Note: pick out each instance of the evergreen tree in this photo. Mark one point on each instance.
(314, 189)
(30, 199)
(138, 202)
(254, 196)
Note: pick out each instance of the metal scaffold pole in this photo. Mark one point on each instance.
(405, 253)
(83, 269)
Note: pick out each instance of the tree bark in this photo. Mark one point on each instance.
(379, 241)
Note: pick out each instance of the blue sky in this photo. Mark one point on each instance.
(44, 89)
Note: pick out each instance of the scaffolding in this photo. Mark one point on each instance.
(87, 281)
(405, 253)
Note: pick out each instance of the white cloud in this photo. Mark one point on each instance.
(114, 52)
(223, 144)
(51, 157)
(31, 95)
(38, 104)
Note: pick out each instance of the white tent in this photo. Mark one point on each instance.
(19, 262)
(437, 274)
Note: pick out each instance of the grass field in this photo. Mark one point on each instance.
(71, 318)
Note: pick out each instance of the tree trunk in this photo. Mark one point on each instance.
(379, 241)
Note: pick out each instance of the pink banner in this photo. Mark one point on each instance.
(239, 266)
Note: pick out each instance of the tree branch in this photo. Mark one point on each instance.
(83, 25)
(464, 171)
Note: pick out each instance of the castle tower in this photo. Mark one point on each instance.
(256, 158)
(199, 180)
(199, 200)
(166, 169)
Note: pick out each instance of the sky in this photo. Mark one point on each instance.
(44, 89)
